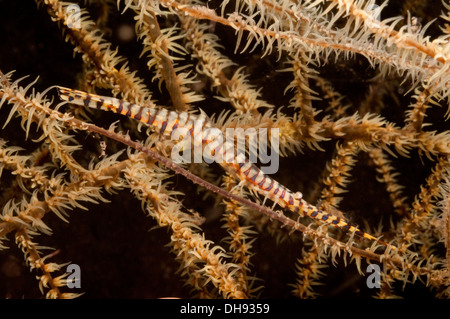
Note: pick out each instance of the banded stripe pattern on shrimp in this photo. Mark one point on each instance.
(167, 122)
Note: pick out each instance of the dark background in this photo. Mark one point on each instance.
(118, 255)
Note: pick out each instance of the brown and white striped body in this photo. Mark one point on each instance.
(167, 122)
